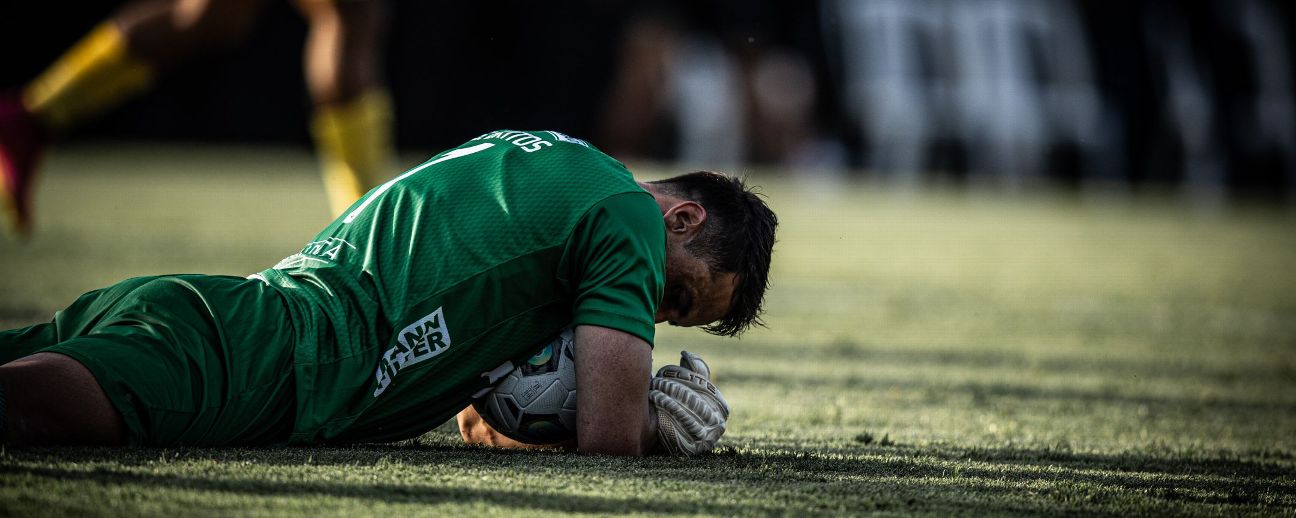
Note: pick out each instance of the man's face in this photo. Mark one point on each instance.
(694, 296)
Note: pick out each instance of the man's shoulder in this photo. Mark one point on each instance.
(558, 166)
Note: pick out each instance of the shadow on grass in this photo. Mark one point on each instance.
(386, 493)
(750, 477)
(1022, 471)
(980, 391)
(989, 358)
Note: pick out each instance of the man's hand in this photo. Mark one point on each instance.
(691, 413)
(476, 430)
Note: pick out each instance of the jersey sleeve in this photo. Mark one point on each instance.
(616, 260)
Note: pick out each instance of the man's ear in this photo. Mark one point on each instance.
(685, 217)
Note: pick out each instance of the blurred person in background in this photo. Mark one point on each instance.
(123, 56)
(719, 83)
(1257, 115)
(1187, 146)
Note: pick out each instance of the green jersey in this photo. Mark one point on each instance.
(432, 283)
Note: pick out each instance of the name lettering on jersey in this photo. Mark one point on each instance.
(526, 141)
(329, 248)
(417, 343)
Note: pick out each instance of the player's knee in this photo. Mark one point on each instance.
(52, 399)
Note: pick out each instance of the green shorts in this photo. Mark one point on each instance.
(191, 360)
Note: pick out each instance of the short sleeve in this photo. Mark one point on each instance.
(615, 260)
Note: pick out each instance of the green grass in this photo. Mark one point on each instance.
(935, 352)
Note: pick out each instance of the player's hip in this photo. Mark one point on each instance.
(187, 359)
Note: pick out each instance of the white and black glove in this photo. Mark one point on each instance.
(691, 413)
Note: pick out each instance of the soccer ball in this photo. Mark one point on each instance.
(536, 403)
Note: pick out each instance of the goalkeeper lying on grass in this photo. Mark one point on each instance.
(384, 325)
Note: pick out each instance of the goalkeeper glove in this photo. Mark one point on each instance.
(691, 413)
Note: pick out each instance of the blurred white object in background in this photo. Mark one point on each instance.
(1009, 80)
(705, 93)
(886, 87)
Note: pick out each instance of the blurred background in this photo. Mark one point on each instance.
(1193, 96)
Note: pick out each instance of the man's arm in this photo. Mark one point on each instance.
(613, 414)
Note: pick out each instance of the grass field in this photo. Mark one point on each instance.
(933, 353)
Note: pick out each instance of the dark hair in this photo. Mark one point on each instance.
(737, 237)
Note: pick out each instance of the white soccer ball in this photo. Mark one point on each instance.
(536, 403)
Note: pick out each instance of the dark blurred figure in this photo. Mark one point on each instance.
(1253, 49)
(1187, 147)
(1205, 88)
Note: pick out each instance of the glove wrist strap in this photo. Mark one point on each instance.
(666, 437)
